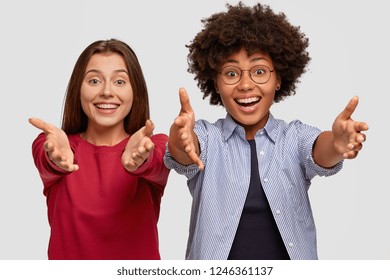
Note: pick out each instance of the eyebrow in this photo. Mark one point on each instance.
(255, 59)
(98, 71)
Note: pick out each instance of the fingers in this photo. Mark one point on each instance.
(58, 159)
(56, 145)
(195, 159)
(350, 155)
(349, 109)
(180, 121)
(185, 101)
(181, 134)
(189, 149)
(136, 159)
(149, 127)
(353, 149)
(356, 137)
(348, 132)
(40, 124)
(71, 167)
(360, 126)
(75, 167)
(48, 147)
(138, 147)
(142, 152)
(148, 144)
(186, 115)
(355, 144)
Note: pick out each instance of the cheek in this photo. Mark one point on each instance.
(85, 106)
(226, 100)
(128, 100)
(84, 99)
(219, 85)
(224, 92)
(128, 106)
(269, 92)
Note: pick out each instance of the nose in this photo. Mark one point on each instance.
(106, 90)
(245, 82)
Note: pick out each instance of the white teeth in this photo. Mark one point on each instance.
(107, 106)
(248, 100)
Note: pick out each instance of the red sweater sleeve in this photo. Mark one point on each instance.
(153, 169)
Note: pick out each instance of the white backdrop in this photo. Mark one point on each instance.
(349, 46)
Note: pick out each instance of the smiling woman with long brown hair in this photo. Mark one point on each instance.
(103, 172)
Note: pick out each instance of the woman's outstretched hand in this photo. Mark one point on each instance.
(183, 142)
(348, 136)
(138, 147)
(56, 145)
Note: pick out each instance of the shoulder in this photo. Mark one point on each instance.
(291, 133)
(160, 139)
(159, 136)
(73, 138)
(203, 123)
(206, 130)
(40, 138)
(207, 125)
(295, 126)
(75, 141)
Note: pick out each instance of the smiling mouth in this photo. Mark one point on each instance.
(247, 102)
(106, 106)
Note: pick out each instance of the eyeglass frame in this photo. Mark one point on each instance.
(270, 73)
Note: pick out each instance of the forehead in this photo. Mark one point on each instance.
(106, 61)
(243, 56)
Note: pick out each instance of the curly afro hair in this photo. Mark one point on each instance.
(255, 28)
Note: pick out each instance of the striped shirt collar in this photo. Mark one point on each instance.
(270, 128)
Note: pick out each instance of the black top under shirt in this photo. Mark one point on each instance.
(257, 236)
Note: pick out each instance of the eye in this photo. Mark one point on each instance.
(231, 72)
(120, 82)
(259, 71)
(93, 81)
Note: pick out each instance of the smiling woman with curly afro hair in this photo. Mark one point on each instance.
(255, 28)
(249, 173)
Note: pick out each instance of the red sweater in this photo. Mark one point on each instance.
(102, 211)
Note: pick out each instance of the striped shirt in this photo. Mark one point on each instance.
(286, 167)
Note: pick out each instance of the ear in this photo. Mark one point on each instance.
(216, 86)
(278, 83)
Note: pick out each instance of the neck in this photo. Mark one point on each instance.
(252, 129)
(104, 137)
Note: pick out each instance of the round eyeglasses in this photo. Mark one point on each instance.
(260, 74)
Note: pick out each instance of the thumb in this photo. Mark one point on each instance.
(40, 124)
(184, 101)
(149, 127)
(349, 109)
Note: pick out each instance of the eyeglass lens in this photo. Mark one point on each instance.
(260, 74)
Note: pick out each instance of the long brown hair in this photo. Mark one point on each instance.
(74, 119)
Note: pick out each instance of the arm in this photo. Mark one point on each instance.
(56, 145)
(182, 142)
(343, 142)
